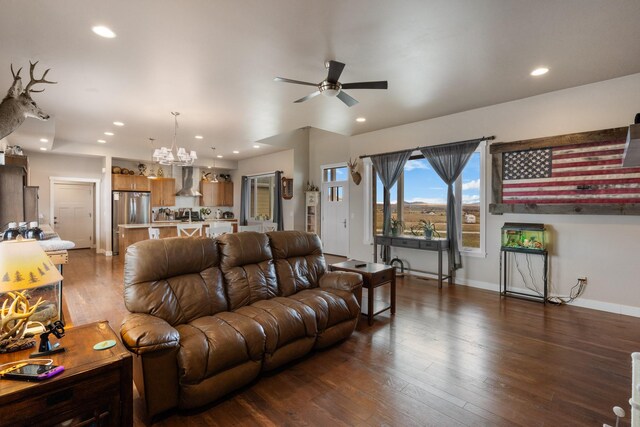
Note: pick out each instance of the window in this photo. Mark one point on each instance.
(420, 194)
(262, 190)
(338, 173)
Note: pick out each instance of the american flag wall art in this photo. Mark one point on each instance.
(587, 173)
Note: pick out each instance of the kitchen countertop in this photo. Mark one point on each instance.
(173, 223)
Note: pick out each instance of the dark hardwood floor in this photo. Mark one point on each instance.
(455, 356)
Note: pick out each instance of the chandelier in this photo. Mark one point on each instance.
(175, 155)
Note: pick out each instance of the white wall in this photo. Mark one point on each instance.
(603, 248)
(42, 166)
(282, 160)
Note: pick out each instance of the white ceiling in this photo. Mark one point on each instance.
(214, 61)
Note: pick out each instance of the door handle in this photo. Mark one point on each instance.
(344, 223)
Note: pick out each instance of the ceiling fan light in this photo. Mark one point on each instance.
(331, 92)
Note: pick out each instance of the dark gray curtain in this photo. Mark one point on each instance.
(244, 205)
(389, 167)
(448, 161)
(277, 203)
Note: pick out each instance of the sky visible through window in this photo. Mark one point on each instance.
(423, 185)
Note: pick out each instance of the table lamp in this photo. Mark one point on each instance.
(23, 265)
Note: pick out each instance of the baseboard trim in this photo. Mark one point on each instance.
(108, 253)
(609, 307)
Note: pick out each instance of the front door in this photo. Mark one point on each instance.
(335, 210)
(73, 213)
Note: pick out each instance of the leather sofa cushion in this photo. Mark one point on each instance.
(176, 279)
(247, 267)
(331, 306)
(213, 344)
(284, 320)
(299, 262)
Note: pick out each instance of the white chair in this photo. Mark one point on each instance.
(189, 229)
(269, 226)
(256, 227)
(154, 233)
(217, 229)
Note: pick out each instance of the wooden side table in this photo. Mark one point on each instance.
(373, 276)
(95, 388)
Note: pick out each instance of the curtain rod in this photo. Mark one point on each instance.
(484, 138)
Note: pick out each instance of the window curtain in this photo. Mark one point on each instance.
(389, 167)
(278, 217)
(448, 161)
(244, 200)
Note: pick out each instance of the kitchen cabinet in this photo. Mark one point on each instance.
(120, 182)
(163, 192)
(216, 193)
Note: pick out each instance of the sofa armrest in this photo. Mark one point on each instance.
(341, 280)
(144, 333)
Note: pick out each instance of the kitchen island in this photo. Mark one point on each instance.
(132, 233)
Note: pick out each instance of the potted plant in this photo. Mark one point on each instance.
(428, 229)
(396, 226)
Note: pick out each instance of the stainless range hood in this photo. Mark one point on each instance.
(187, 183)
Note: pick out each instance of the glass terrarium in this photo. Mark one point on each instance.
(521, 236)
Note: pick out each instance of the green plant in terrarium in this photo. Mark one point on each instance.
(397, 226)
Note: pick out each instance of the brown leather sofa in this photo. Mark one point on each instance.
(207, 316)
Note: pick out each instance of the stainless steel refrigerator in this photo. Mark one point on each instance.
(128, 207)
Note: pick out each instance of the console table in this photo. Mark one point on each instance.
(435, 245)
(95, 388)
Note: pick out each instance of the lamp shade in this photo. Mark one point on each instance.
(24, 265)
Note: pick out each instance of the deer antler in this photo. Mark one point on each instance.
(33, 81)
(14, 74)
(15, 318)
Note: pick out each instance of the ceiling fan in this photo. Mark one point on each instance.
(332, 87)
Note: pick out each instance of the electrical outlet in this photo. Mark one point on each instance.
(583, 279)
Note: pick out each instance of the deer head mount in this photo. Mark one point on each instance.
(353, 168)
(18, 105)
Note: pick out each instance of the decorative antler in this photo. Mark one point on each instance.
(14, 319)
(33, 81)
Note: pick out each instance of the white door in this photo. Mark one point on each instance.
(335, 216)
(73, 213)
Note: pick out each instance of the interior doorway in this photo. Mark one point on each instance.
(73, 212)
(335, 209)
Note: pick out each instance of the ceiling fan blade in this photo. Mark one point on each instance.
(306, 98)
(298, 82)
(366, 85)
(335, 69)
(350, 101)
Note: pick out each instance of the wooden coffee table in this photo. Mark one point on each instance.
(373, 276)
(95, 388)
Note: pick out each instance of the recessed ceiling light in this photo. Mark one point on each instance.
(208, 167)
(103, 31)
(199, 137)
(256, 146)
(118, 123)
(43, 148)
(219, 156)
(236, 152)
(540, 71)
(102, 141)
(44, 140)
(109, 133)
(361, 119)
